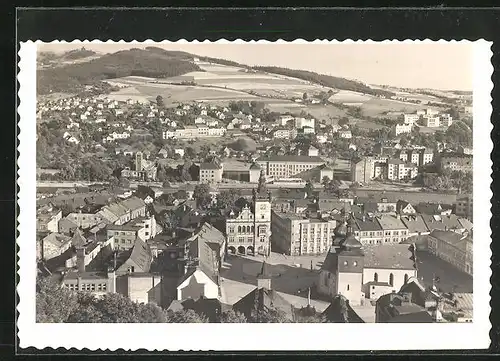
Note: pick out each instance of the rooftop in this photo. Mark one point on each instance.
(388, 256)
(291, 158)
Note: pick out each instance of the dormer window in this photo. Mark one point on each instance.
(355, 263)
(345, 263)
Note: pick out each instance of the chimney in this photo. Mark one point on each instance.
(80, 259)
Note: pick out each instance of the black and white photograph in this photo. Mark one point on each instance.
(253, 183)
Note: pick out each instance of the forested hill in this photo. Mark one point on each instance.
(150, 62)
(325, 80)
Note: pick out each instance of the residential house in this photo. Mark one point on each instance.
(398, 308)
(453, 248)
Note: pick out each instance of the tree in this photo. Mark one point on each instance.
(232, 316)
(403, 141)
(304, 96)
(202, 195)
(185, 316)
(54, 304)
(343, 121)
(309, 188)
(325, 182)
(159, 101)
(227, 198)
(269, 315)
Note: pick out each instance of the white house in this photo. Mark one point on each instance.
(196, 284)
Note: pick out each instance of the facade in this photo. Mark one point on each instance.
(295, 235)
(211, 172)
(453, 248)
(250, 230)
(403, 128)
(394, 229)
(410, 119)
(362, 170)
(124, 235)
(54, 245)
(431, 121)
(84, 220)
(48, 221)
(367, 230)
(197, 284)
(96, 283)
(193, 132)
(456, 162)
(140, 287)
(399, 170)
(288, 166)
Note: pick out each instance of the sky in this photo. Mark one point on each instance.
(441, 66)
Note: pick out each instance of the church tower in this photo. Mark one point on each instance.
(138, 161)
(350, 264)
(262, 221)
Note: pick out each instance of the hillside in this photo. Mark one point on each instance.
(152, 62)
(325, 80)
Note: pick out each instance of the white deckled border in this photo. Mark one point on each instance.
(232, 337)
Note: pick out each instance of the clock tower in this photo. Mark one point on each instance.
(262, 222)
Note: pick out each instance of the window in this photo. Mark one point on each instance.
(348, 287)
(391, 279)
(345, 263)
(375, 277)
(355, 263)
(147, 225)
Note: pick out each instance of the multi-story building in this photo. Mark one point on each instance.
(456, 162)
(194, 131)
(362, 169)
(211, 172)
(410, 119)
(296, 235)
(47, 220)
(399, 170)
(445, 120)
(304, 122)
(288, 166)
(431, 121)
(398, 308)
(394, 229)
(285, 133)
(453, 248)
(464, 206)
(403, 128)
(143, 169)
(84, 220)
(367, 229)
(426, 156)
(249, 231)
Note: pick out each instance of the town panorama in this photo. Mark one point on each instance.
(174, 187)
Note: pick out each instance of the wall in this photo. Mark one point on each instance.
(144, 289)
(327, 284)
(350, 286)
(197, 285)
(383, 276)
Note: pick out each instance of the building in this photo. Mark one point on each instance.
(48, 220)
(143, 169)
(342, 270)
(137, 259)
(312, 151)
(404, 207)
(84, 220)
(456, 162)
(123, 211)
(415, 224)
(254, 173)
(394, 229)
(410, 119)
(398, 308)
(304, 122)
(288, 166)
(445, 120)
(431, 121)
(399, 170)
(362, 169)
(211, 172)
(453, 248)
(140, 287)
(367, 229)
(53, 245)
(202, 255)
(249, 231)
(464, 206)
(465, 150)
(403, 128)
(345, 134)
(285, 133)
(296, 235)
(96, 283)
(426, 156)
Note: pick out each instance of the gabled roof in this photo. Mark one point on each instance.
(56, 239)
(263, 299)
(133, 203)
(465, 223)
(415, 223)
(449, 237)
(366, 224)
(339, 311)
(78, 240)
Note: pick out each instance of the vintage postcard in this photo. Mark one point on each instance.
(268, 196)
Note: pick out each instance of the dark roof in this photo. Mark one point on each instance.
(340, 311)
(291, 158)
(449, 237)
(393, 306)
(263, 299)
(366, 224)
(209, 166)
(211, 308)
